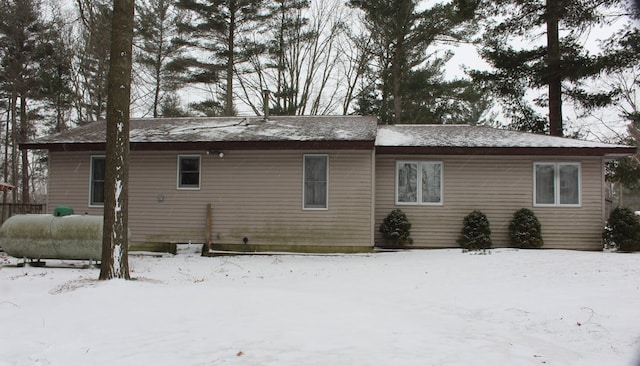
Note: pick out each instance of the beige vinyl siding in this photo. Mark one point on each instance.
(69, 181)
(254, 194)
(498, 186)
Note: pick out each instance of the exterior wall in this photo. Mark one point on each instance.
(498, 186)
(254, 194)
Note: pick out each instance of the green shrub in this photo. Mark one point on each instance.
(396, 230)
(525, 230)
(476, 232)
(622, 231)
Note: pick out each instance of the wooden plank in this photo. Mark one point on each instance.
(208, 225)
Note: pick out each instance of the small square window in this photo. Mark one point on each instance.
(189, 172)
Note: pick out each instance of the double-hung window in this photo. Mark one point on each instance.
(557, 184)
(189, 171)
(96, 194)
(316, 182)
(419, 183)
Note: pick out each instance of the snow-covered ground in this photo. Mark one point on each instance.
(431, 307)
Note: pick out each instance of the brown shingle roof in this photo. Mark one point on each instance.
(241, 132)
(324, 132)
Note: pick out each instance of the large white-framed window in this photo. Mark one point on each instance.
(419, 182)
(96, 181)
(557, 184)
(188, 171)
(315, 190)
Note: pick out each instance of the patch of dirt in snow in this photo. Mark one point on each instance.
(4, 260)
(74, 285)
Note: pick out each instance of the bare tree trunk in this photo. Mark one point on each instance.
(6, 161)
(115, 240)
(228, 108)
(14, 150)
(158, 67)
(158, 86)
(396, 70)
(356, 66)
(553, 65)
(397, 95)
(24, 135)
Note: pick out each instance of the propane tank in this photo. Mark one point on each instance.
(38, 236)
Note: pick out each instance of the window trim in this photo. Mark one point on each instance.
(91, 162)
(419, 186)
(556, 184)
(179, 173)
(304, 196)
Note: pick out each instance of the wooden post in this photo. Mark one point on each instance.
(208, 226)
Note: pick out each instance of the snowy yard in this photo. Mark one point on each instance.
(431, 307)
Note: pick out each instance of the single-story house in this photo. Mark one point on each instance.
(325, 183)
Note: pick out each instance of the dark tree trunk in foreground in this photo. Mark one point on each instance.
(115, 242)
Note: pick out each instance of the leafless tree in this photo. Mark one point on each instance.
(301, 62)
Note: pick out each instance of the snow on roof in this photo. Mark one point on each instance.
(474, 137)
(341, 131)
(227, 129)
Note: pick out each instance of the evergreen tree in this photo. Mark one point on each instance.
(400, 36)
(216, 29)
(622, 231)
(561, 64)
(92, 60)
(156, 31)
(21, 44)
(288, 34)
(429, 98)
(396, 230)
(623, 52)
(171, 107)
(525, 230)
(625, 172)
(476, 232)
(367, 102)
(56, 75)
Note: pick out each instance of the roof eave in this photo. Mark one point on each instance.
(610, 152)
(63, 146)
(207, 145)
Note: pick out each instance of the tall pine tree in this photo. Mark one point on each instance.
(56, 74)
(21, 45)
(156, 31)
(92, 60)
(216, 29)
(401, 34)
(556, 66)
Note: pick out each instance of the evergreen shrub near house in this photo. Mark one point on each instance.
(622, 231)
(476, 232)
(525, 230)
(396, 230)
